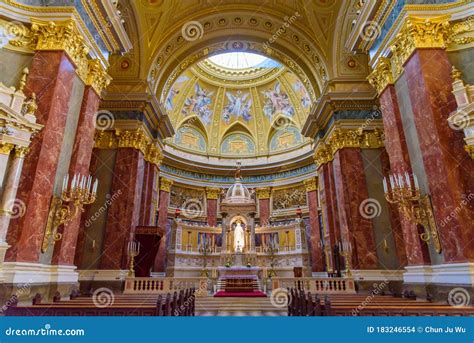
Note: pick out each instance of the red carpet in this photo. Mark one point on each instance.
(254, 294)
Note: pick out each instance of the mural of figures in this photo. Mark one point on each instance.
(300, 89)
(200, 104)
(173, 92)
(277, 100)
(238, 106)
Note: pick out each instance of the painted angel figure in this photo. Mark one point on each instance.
(237, 106)
(300, 88)
(199, 103)
(277, 101)
(170, 98)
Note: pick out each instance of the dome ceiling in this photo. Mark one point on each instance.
(237, 105)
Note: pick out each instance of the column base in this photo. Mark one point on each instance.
(25, 279)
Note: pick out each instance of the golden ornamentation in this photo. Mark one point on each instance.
(62, 36)
(289, 198)
(263, 193)
(61, 214)
(135, 139)
(417, 209)
(30, 106)
(461, 33)
(347, 138)
(24, 77)
(6, 148)
(381, 76)
(165, 184)
(212, 192)
(418, 33)
(97, 77)
(311, 184)
(21, 151)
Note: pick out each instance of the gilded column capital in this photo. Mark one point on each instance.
(382, 75)
(212, 192)
(165, 184)
(263, 193)
(136, 139)
(6, 148)
(153, 154)
(21, 151)
(347, 138)
(419, 33)
(97, 77)
(311, 184)
(64, 36)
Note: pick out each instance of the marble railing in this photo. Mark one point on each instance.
(152, 285)
(317, 285)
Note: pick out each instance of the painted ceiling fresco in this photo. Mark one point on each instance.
(237, 111)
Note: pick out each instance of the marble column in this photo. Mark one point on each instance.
(51, 78)
(124, 211)
(317, 258)
(351, 191)
(5, 149)
(263, 196)
(8, 207)
(165, 189)
(65, 249)
(449, 169)
(212, 195)
(396, 147)
(147, 209)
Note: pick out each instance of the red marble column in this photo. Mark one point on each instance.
(351, 191)
(165, 188)
(448, 168)
(51, 79)
(328, 198)
(263, 196)
(212, 212)
(147, 209)
(64, 250)
(396, 147)
(124, 212)
(317, 259)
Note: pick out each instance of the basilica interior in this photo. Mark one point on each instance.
(201, 157)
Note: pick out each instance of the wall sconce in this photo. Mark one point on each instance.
(80, 192)
(415, 207)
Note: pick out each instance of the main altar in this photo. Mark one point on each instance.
(239, 255)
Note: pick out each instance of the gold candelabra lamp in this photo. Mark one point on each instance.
(205, 249)
(272, 250)
(346, 251)
(81, 191)
(404, 191)
(133, 250)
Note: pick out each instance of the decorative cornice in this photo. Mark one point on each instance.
(382, 75)
(347, 138)
(165, 184)
(263, 193)
(418, 33)
(135, 139)
(311, 184)
(212, 192)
